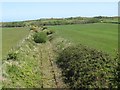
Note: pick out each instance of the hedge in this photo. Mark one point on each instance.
(83, 67)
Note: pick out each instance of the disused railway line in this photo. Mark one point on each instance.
(48, 75)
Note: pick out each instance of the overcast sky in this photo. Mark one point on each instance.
(19, 11)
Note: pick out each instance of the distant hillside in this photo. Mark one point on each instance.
(62, 21)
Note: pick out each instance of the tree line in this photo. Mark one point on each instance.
(58, 21)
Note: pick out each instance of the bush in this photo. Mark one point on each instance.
(49, 32)
(43, 28)
(51, 37)
(32, 28)
(12, 55)
(83, 67)
(40, 37)
(35, 29)
(117, 71)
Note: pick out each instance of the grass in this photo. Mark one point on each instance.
(100, 36)
(23, 71)
(33, 67)
(11, 36)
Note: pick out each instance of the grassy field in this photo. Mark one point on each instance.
(11, 36)
(100, 36)
(37, 64)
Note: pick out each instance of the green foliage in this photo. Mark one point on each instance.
(13, 69)
(85, 67)
(32, 28)
(48, 32)
(93, 20)
(51, 37)
(40, 37)
(12, 55)
(117, 71)
(43, 28)
(13, 24)
(25, 71)
(61, 21)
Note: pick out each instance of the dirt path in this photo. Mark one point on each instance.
(51, 75)
(40, 73)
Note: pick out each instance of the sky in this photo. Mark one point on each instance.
(59, 0)
(19, 11)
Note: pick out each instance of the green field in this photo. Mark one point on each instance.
(11, 36)
(40, 64)
(100, 36)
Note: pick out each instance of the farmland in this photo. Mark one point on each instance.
(59, 45)
(101, 36)
(11, 36)
(60, 56)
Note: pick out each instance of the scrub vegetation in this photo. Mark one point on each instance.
(75, 52)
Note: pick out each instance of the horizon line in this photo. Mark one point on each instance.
(59, 18)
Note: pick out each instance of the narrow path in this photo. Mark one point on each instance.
(51, 75)
(56, 71)
(46, 73)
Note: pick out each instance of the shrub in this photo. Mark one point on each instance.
(118, 75)
(12, 55)
(34, 28)
(50, 32)
(43, 28)
(51, 37)
(40, 37)
(117, 71)
(85, 67)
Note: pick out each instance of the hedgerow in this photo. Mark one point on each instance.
(117, 72)
(40, 37)
(50, 32)
(12, 55)
(22, 69)
(83, 67)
